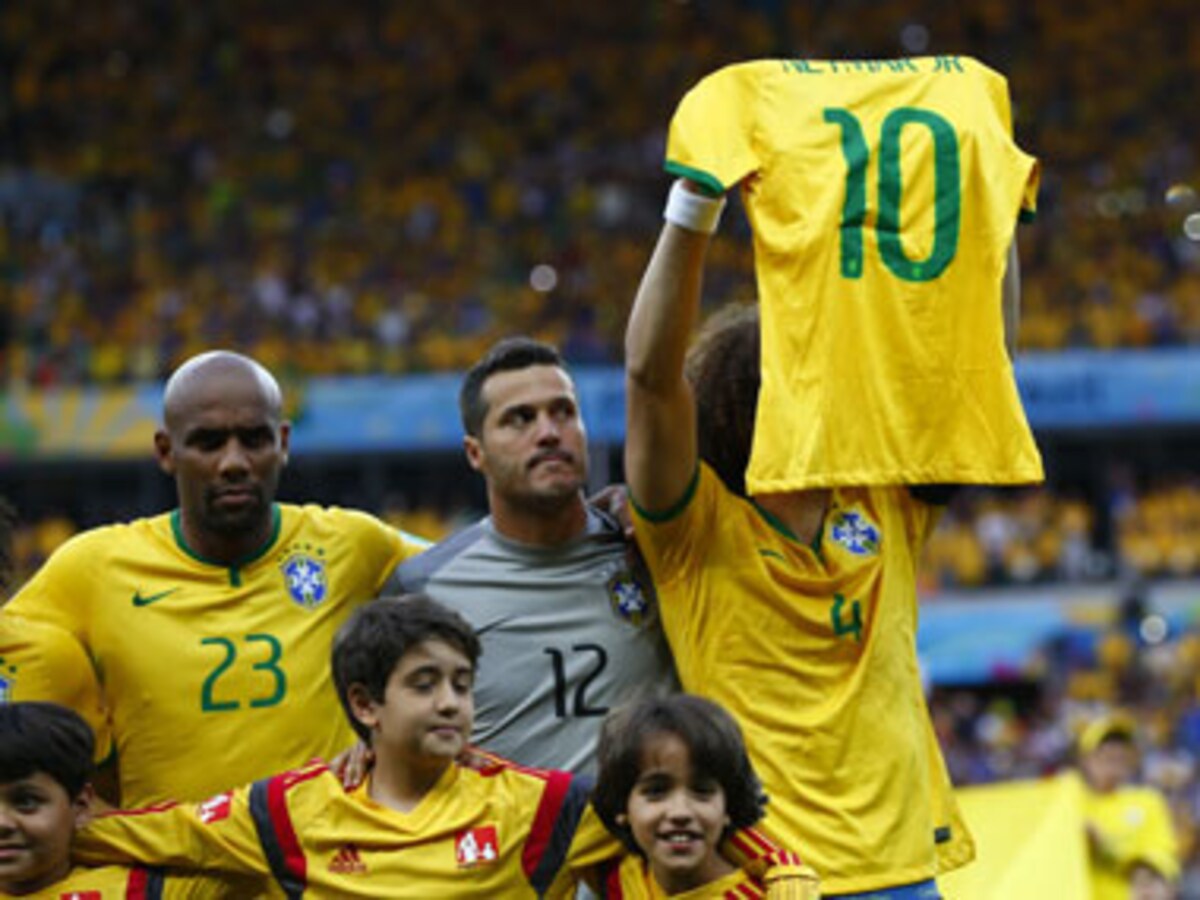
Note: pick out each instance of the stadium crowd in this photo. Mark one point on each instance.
(387, 188)
(383, 188)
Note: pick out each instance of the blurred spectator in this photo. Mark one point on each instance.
(1130, 836)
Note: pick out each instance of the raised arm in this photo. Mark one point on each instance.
(660, 414)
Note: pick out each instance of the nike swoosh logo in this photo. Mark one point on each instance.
(139, 600)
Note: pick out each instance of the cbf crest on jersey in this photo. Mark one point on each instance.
(627, 597)
(304, 574)
(855, 532)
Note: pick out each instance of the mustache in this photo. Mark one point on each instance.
(215, 493)
(556, 453)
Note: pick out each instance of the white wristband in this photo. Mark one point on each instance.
(693, 211)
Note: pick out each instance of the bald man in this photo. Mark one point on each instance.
(208, 628)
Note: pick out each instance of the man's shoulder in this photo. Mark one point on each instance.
(478, 554)
(314, 515)
(114, 541)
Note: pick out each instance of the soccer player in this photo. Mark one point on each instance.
(674, 781)
(207, 627)
(795, 611)
(46, 755)
(1130, 837)
(569, 625)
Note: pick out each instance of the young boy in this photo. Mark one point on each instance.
(675, 782)
(425, 824)
(45, 765)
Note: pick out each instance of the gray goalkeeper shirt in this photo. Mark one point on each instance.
(568, 633)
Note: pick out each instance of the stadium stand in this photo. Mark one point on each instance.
(385, 189)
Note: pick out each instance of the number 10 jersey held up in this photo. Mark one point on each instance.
(884, 196)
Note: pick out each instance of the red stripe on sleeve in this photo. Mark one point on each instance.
(612, 883)
(754, 844)
(281, 821)
(135, 887)
(543, 823)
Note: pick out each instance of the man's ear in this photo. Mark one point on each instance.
(163, 452)
(362, 705)
(82, 805)
(474, 451)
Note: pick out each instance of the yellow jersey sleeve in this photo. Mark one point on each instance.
(40, 661)
(716, 158)
(53, 594)
(216, 835)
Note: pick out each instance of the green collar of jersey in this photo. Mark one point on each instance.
(235, 566)
(778, 524)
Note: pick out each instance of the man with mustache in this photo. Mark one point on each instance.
(208, 628)
(568, 625)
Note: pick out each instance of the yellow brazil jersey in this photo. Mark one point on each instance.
(39, 661)
(122, 883)
(490, 831)
(215, 675)
(1134, 824)
(813, 650)
(883, 197)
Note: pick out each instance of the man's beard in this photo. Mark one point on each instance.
(235, 522)
(549, 500)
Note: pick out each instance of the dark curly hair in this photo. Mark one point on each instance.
(714, 744)
(45, 737)
(723, 369)
(371, 642)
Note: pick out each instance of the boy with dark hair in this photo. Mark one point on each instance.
(714, 743)
(45, 793)
(430, 821)
(675, 782)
